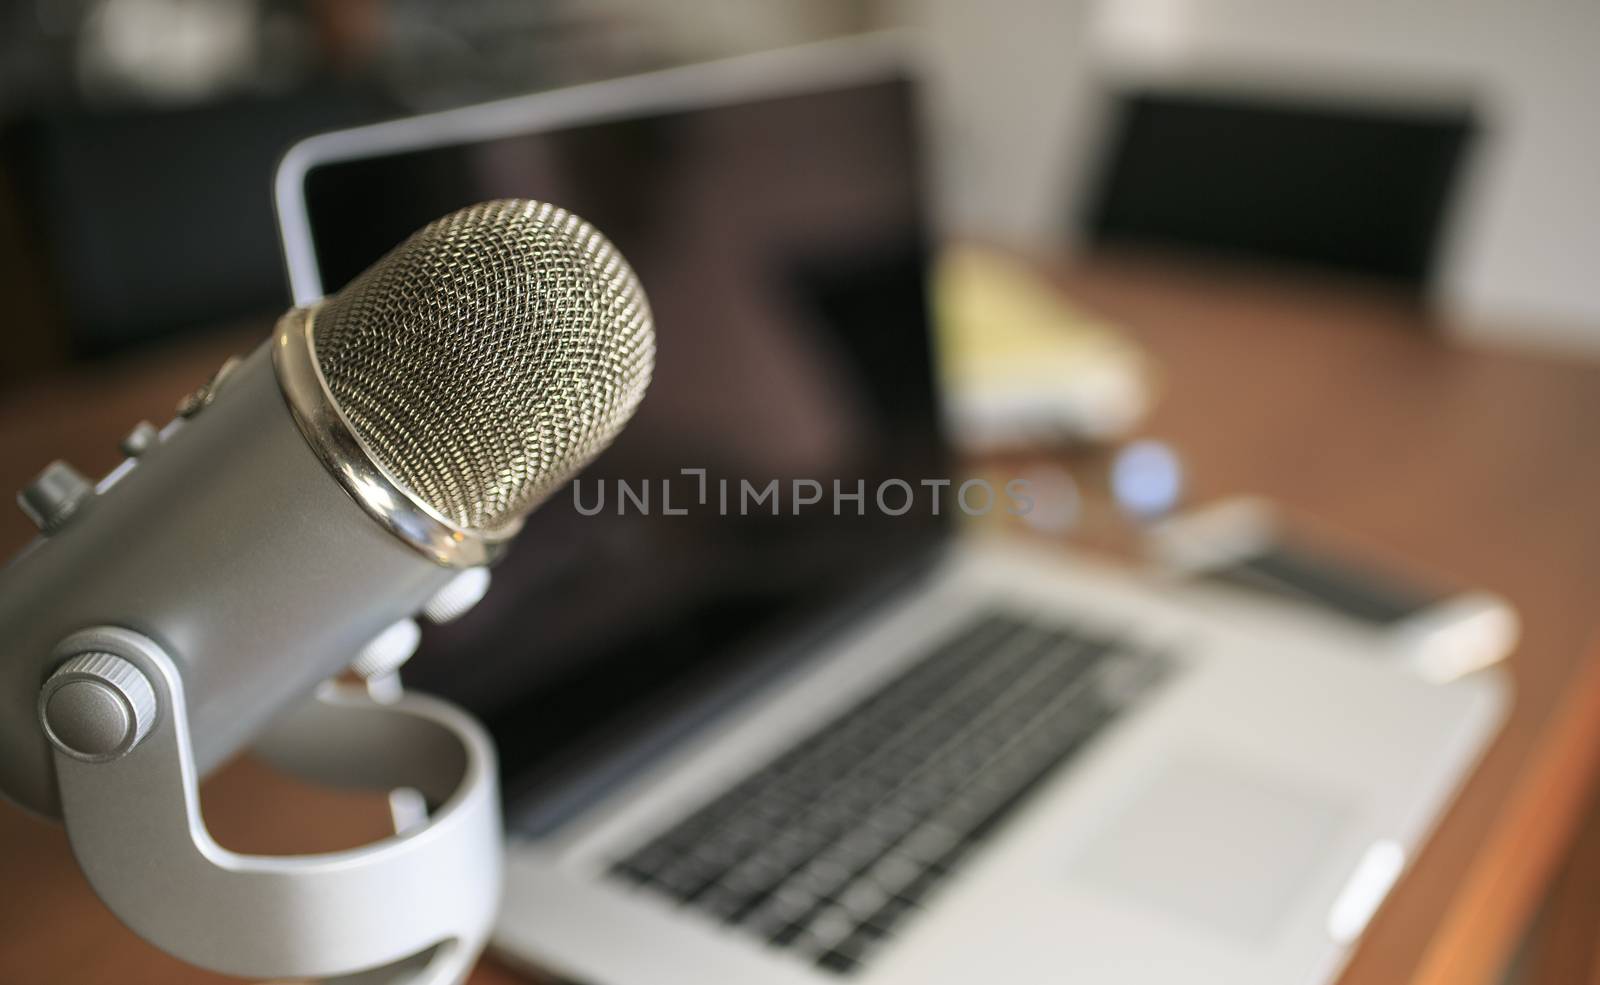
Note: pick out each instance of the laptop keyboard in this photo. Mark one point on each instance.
(830, 847)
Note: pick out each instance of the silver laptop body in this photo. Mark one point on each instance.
(1016, 766)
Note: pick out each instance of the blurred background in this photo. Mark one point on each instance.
(1339, 253)
(1446, 149)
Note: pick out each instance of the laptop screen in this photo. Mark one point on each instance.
(782, 245)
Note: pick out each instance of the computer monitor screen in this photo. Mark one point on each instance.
(782, 245)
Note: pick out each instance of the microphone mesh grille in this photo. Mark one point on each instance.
(488, 358)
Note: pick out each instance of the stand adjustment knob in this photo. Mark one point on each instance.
(97, 707)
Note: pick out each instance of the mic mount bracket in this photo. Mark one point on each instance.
(415, 907)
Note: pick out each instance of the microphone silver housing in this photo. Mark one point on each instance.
(445, 392)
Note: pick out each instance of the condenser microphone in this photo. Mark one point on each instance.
(313, 496)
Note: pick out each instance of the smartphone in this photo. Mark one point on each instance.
(1440, 632)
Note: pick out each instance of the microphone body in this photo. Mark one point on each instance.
(229, 543)
(305, 504)
(322, 490)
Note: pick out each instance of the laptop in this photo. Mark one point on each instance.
(755, 731)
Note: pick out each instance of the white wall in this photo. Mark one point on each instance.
(1523, 260)
(1010, 85)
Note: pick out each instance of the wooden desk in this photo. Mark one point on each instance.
(1338, 403)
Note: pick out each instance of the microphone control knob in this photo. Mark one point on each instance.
(385, 653)
(199, 400)
(462, 593)
(54, 496)
(141, 439)
(97, 707)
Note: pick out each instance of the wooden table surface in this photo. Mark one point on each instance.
(1337, 401)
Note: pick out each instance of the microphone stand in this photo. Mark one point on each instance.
(415, 907)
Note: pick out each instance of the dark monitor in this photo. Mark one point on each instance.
(782, 245)
(1362, 189)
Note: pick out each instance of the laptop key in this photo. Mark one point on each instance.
(839, 960)
(849, 955)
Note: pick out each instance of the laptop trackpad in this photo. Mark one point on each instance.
(1214, 843)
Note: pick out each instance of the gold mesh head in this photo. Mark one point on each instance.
(488, 358)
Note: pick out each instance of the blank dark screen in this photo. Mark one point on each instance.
(781, 244)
